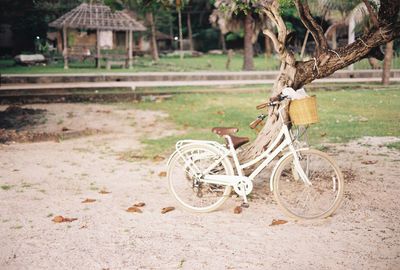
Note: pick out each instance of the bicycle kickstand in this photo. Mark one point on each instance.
(245, 203)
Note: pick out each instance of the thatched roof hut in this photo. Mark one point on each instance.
(97, 17)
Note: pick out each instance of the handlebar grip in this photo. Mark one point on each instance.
(275, 98)
(261, 106)
(255, 123)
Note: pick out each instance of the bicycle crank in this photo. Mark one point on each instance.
(243, 183)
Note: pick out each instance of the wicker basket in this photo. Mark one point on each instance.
(304, 111)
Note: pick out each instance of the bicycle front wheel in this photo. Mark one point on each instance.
(303, 201)
(191, 194)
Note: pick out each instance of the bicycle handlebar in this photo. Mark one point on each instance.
(273, 101)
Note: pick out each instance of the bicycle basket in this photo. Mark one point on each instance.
(304, 111)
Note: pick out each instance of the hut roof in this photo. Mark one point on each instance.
(97, 16)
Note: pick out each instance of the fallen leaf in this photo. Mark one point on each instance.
(59, 219)
(368, 162)
(162, 174)
(104, 191)
(237, 210)
(65, 129)
(88, 200)
(221, 112)
(134, 209)
(158, 158)
(139, 204)
(167, 209)
(277, 222)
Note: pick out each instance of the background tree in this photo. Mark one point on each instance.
(237, 15)
(149, 9)
(296, 74)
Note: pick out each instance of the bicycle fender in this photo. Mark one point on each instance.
(271, 181)
(219, 149)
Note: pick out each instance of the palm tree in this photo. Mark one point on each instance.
(237, 15)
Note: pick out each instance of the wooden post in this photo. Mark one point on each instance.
(127, 48)
(65, 50)
(130, 50)
(98, 56)
(59, 42)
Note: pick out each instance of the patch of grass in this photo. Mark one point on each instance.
(344, 115)
(166, 63)
(6, 187)
(394, 145)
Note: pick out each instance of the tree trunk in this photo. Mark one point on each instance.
(268, 47)
(387, 62)
(153, 38)
(248, 44)
(273, 124)
(303, 48)
(180, 33)
(190, 36)
(223, 42)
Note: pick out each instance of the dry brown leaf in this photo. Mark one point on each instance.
(221, 112)
(104, 191)
(162, 174)
(134, 209)
(277, 222)
(139, 204)
(167, 209)
(158, 158)
(237, 210)
(59, 219)
(369, 162)
(87, 200)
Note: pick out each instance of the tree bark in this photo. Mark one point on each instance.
(248, 44)
(180, 33)
(387, 62)
(190, 36)
(153, 38)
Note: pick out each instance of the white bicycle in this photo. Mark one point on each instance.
(307, 183)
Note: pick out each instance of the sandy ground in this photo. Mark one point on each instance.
(41, 180)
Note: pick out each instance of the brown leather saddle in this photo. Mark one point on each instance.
(237, 141)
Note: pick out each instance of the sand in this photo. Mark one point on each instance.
(45, 179)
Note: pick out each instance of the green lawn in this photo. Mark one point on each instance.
(344, 114)
(143, 64)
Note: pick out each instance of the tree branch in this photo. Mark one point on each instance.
(344, 56)
(372, 13)
(314, 28)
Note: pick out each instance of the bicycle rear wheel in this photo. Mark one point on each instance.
(303, 201)
(191, 194)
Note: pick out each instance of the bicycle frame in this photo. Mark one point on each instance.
(283, 140)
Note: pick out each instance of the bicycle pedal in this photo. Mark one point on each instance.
(245, 205)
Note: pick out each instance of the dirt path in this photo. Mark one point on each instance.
(41, 180)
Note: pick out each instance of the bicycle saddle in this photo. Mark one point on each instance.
(221, 131)
(237, 141)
